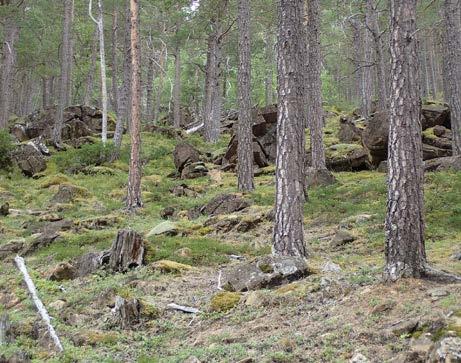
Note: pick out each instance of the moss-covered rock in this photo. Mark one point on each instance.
(167, 266)
(224, 301)
(57, 179)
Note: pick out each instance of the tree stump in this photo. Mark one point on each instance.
(128, 312)
(127, 251)
(5, 329)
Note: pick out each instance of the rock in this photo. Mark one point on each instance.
(347, 157)
(341, 238)
(167, 228)
(348, 131)
(63, 271)
(4, 209)
(435, 114)
(167, 266)
(358, 358)
(167, 212)
(444, 163)
(12, 247)
(98, 223)
(331, 267)
(224, 204)
(90, 262)
(404, 327)
(128, 312)
(28, 159)
(382, 167)
(183, 190)
(127, 251)
(375, 136)
(447, 350)
(194, 170)
(420, 348)
(185, 154)
(442, 131)
(192, 359)
(432, 152)
(183, 252)
(264, 272)
(230, 157)
(255, 299)
(315, 178)
(224, 301)
(456, 256)
(438, 293)
(42, 240)
(67, 193)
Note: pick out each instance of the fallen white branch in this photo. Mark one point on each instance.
(219, 280)
(186, 309)
(38, 303)
(195, 128)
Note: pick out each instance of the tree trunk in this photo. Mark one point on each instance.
(314, 86)
(212, 98)
(177, 89)
(150, 88)
(373, 28)
(452, 68)
(134, 201)
(357, 45)
(367, 75)
(89, 84)
(431, 68)
(125, 100)
(11, 31)
(269, 56)
(244, 132)
(161, 81)
(405, 250)
(288, 238)
(45, 94)
(66, 68)
(114, 64)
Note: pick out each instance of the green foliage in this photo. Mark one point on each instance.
(6, 146)
(88, 155)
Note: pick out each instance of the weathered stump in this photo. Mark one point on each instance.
(127, 251)
(5, 329)
(128, 312)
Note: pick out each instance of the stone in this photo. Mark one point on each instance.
(433, 152)
(353, 158)
(456, 256)
(225, 204)
(255, 299)
(6, 331)
(192, 359)
(194, 170)
(167, 228)
(421, 346)
(42, 240)
(331, 267)
(316, 178)
(98, 223)
(167, 266)
(183, 190)
(4, 209)
(12, 247)
(263, 272)
(404, 327)
(358, 358)
(348, 131)
(224, 301)
(444, 163)
(127, 251)
(167, 212)
(375, 137)
(341, 238)
(185, 154)
(435, 114)
(447, 350)
(442, 131)
(90, 262)
(382, 167)
(28, 159)
(63, 271)
(67, 193)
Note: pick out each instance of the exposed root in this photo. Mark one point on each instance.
(441, 276)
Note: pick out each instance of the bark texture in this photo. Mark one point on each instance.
(89, 82)
(405, 250)
(127, 251)
(134, 201)
(269, 55)
(452, 68)
(66, 70)
(177, 89)
(315, 108)
(245, 133)
(114, 64)
(7, 73)
(288, 237)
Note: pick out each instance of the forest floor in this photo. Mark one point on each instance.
(325, 317)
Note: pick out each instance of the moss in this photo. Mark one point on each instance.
(148, 310)
(429, 133)
(266, 268)
(57, 179)
(96, 337)
(167, 266)
(224, 301)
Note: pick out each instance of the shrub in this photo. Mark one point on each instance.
(6, 146)
(75, 160)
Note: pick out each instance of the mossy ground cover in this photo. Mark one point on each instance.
(168, 337)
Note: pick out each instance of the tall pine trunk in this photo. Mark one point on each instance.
(134, 201)
(452, 68)
(114, 64)
(7, 73)
(177, 88)
(288, 237)
(244, 131)
(66, 69)
(405, 250)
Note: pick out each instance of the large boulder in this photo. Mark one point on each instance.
(264, 272)
(375, 136)
(185, 154)
(347, 157)
(259, 156)
(225, 204)
(29, 159)
(435, 114)
(445, 163)
(348, 131)
(79, 121)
